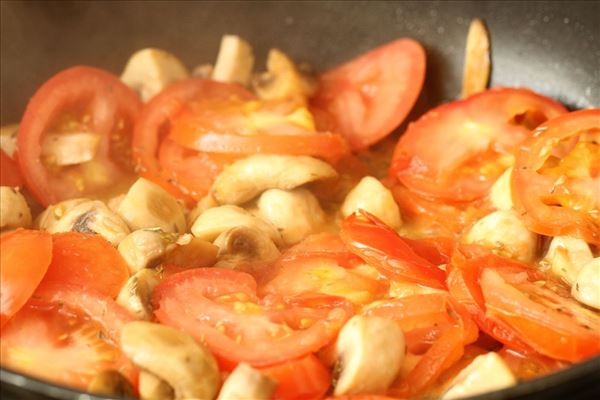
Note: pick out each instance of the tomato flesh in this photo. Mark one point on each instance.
(10, 175)
(305, 378)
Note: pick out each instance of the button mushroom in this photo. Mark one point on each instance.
(235, 61)
(143, 248)
(152, 387)
(247, 178)
(51, 215)
(566, 256)
(147, 205)
(8, 139)
(149, 71)
(586, 288)
(136, 294)
(70, 148)
(501, 192)
(204, 204)
(296, 213)
(214, 221)
(370, 195)
(370, 352)
(14, 211)
(173, 356)
(245, 382)
(110, 383)
(195, 253)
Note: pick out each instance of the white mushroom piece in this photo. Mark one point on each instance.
(245, 249)
(152, 387)
(214, 221)
(8, 139)
(191, 252)
(149, 71)
(370, 353)
(110, 383)
(501, 192)
(235, 61)
(136, 294)
(14, 211)
(144, 248)
(247, 178)
(70, 148)
(586, 288)
(370, 195)
(147, 205)
(486, 373)
(566, 256)
(85, 216)
(174, 357)
(295, 213)
(505, 233)
(245, 382)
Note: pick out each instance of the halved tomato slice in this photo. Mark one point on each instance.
(302, 379)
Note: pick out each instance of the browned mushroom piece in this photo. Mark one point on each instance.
(110, 383)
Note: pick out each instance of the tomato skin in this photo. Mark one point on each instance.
(88, 261)
(384, 249)
(453, 152)
(10, 175)
(370, 96)
(302, 379)
(21, 269)
(533, 191)
(109, 101)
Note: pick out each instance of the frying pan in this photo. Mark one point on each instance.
(551, 47)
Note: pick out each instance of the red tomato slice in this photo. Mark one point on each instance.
(10, 175)
(220, 308)
(94, 100)
(381, 247)
(371, 95)
(325, 245)
(87, 261)
(530, 365)
(561, 200)
(302, 379)
(154, 125)
(456, 151)
(66, 335)
(21, 269)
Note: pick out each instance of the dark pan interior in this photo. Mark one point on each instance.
(551, 47)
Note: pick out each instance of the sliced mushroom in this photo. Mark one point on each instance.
(144, 248)
(506, 234)
(247, 178)
(195, 253)
(586, 288)
(235, 61)
(486, 373)
(245, 382)
(173, 356)
(152, 387)
(110, 383)
(214, 221)
(370, 195)
(114, 202)
(476, 71)
(204, 204)
(149, 71)
(566, 256)
(203, 71)
(370, 352)
(147, 205)
(8, 139)
(296, 213)
(14, 211)
(501, 192)
(245, 249)
(70, 148)
(136, 294)
(51, 215)
(283, 79)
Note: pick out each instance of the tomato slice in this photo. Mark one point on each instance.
(381, 247)
(10, 175)
(154, 125)
(302, 379)
(371, 95)
(325, 245)
(529, 365)
(220, 308)
(456, 151)
(21, 269)
(94, 101)
(88, 261)
(556, 198)
(66, 335)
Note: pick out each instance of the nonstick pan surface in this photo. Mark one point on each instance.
(551, 47)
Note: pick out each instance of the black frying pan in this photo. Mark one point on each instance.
(551, 47)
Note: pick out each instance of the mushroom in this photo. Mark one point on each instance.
(235, 61)
(147, 205)
(214, 221)
(501, 192)
(110, 383)
(69, 148)
(370, 352)
(566, 256)
(246, 249)
(202, 205)
(144, 248)
(587, 286)
(149, 71)
(203, 71)
(506, 234)
(245, 382)
(370, 195)
(51, 215)
(8, 139)
(486, 373)
(195, 253)
(247, 178)
(14, 211)
(152, 387)
(136, 294)
(173, 356)
(295, 213)
(283, 79)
